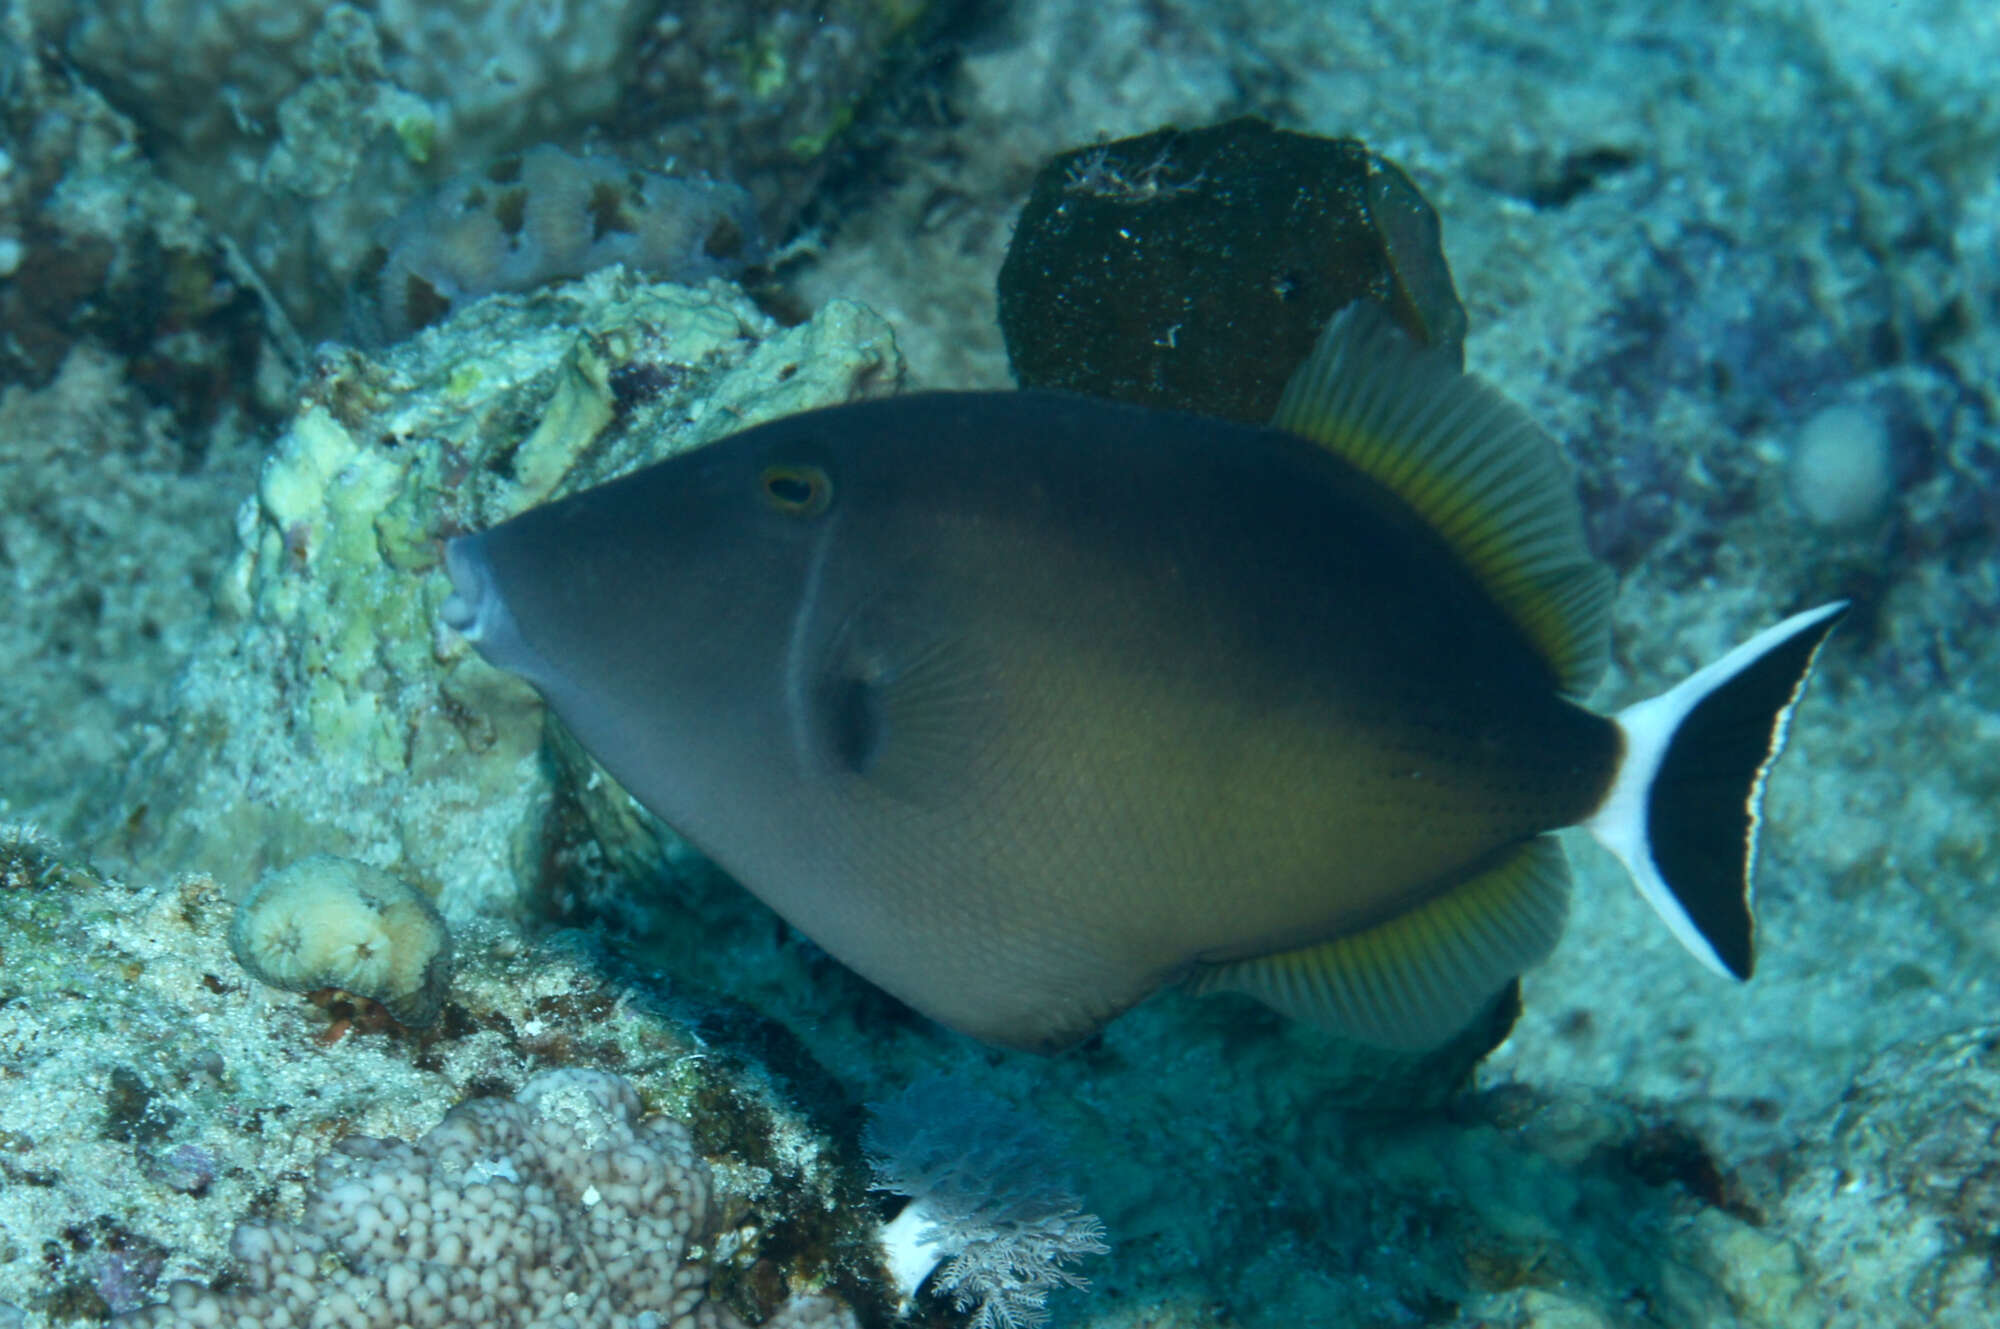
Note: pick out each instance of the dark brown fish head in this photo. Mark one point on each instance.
(683, 584)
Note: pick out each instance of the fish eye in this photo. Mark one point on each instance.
(798, 491)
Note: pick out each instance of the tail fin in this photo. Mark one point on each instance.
(1683, 813)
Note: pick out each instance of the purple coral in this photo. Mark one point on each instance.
(547, 215)
(566, 1205)
(188, 1168)
(988, 1202)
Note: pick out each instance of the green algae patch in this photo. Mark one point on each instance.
(1194, 269)
(31, 861)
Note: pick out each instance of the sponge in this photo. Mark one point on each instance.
(327, 922)
(1842, 474)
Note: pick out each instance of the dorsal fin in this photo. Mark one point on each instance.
(1473, 466)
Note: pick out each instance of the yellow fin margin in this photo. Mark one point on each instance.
(1419, 978)
(1474, 467)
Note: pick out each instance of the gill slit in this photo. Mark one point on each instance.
(797, 662)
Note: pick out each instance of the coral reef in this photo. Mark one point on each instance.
(545, 215)
(1899, 1197)
(767, 93)
(1648, 1146)
(96, 249)
(561, 1206)
(29, 858)
(197, 74)
(331, 113)
(111, 533)
(303, 128)
(153, 1099)
(137, 365)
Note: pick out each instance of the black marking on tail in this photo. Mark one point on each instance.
(1707, 800)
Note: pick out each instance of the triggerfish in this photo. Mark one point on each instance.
(1024, 705)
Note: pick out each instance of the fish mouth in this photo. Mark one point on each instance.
(466, 609)
(477, 610)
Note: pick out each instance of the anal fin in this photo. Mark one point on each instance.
(1415, 980)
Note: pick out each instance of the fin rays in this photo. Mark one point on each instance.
(1684, 812)
(1414, 980)
(902, 703)
(1473, 466)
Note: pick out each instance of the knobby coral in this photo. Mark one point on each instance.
(562, 1208)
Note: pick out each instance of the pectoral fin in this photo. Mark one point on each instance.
(905, 703)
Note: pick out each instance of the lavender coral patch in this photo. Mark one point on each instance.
(1712, 318)
(1728, 331)
(541, 216)
(565, 1205)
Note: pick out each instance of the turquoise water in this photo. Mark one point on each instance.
(1741, 263)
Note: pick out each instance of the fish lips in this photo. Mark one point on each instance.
(472, 589)
(477, 610)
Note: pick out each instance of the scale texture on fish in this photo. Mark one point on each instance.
(1024, 705)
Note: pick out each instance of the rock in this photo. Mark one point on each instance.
(1195, 269)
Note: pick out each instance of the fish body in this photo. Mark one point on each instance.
(1024, 704)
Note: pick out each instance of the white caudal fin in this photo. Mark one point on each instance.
(1684, 811)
